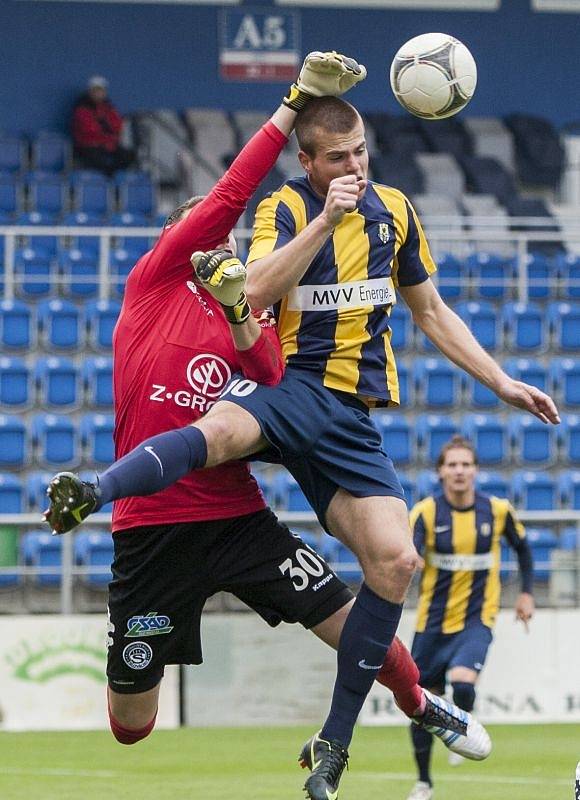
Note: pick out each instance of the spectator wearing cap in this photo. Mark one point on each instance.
(96, 130)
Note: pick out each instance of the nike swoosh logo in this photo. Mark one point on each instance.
(152, 452)
(331, 795)
(76, 512)
(363, 665)
(441, 528)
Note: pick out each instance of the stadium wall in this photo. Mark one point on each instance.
(165, 55)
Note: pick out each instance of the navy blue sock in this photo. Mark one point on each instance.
(367, 634)
(154, 465)
(463, 695)
(422, 744)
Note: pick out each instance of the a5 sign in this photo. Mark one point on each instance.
(259, 44)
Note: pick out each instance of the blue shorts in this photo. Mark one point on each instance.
(435, 653)
(325, 439)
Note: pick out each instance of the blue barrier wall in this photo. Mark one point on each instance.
(166, 56)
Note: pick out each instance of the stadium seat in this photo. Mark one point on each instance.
(534, 443)
(11, 196)
(14, 442)
(489, 437)
(569, 489)
(289, 493)
(47, 193)
(478, 395)
(427, 484)
(490, 275)
(101, 316)
(36, 485)
(80, 220)
(17, 328)
(12, 494)
(528, 371)
(535, 491)
(568, 268)
(133, 243)
(43, 551)
(397, 435)
(58, 382)
(137, 194)
(13, 154)
(51, 152)
(346, 564)
(98, 381)
(33, 272)
(16, 388)
(482, 321)
(93, 195)
(60, 325)
(122, 262)
(569, 434)
(406, 392)
(524, 327)
(436, 382)
(493, 483)
(541, 276)
(564, 321)
(43, 244)
(487, 175)
(56, 441)
(539, 153)
(451, 277)
(97, 438)
(80, 270)
(448, 136)
(264, 481)
(409, 487)
(542, 541)
(401, 326)
(569, 539)
(94, 549)
(390, 170)
(433, 431)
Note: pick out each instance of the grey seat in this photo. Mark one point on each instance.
(442, 174)
(492, 139)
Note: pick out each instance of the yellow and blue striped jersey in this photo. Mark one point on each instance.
(461, 547)
(336, 321)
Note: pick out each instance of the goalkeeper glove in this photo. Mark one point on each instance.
(324, 74)
(224, 277)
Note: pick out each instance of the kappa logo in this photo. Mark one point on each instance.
(201, 300)
(151, 624)
(137, 655)
(384, 233)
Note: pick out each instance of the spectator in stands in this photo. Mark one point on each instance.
(458, 532)
(96, 130)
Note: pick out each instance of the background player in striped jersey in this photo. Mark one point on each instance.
(328, 253)
(459, 532)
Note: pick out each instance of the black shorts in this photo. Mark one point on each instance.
(163, 574)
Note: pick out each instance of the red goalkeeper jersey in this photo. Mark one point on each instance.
(173, 351)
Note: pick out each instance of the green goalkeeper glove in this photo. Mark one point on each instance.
(224, 277)
(324, 74)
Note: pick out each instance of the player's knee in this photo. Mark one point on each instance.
(463, 695)
(406, 561)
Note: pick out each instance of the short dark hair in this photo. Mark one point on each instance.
(328, 114)
(175, 215)
(455, 443)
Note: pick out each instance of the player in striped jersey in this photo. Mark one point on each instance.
(459, 533)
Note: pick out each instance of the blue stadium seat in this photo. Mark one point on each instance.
(534, 443)
(478, 395)
(80, 270)
(97, 438)
(36, 485)
(409, 487)
(565, 379)
(16, 388)
(51, 152)
(309, 538)
(392, 170)
(80, 219)
(437, 383)
(94, 195)
(433, 431)
(524, 327)
(61, 326)
(137, 194)
(14, 443)
(33, 271)
(56, 441)
(568, 267)
(482, 321)
(541, 276)
(535, 491)
(569, 489)
(489, 275)
(493, 483)
(58, 382)
(13, 154)
(101, 318)
(12, 494)
(289, 494)
(346, 564)
(47, 193)
(569, 434)
(17, 328)
(44, 244)
(564, 321)
(94, 549)
(528, 371)
(489, 437)
(452, 277)
(401, 326)
(11, 196)
(542, 541)
(98, 381)
(264, 481)
(42, 550)
(569, 539)
(427, 484)
(137, 245)
(406, 392)
(398, 437)
(121, 262)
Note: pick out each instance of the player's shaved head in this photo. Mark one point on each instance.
(323, 115)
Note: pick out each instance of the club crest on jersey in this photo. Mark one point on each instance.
(485, 529)
(384, 234)
(150, 624)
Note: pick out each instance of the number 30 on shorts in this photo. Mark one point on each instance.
(309, 566)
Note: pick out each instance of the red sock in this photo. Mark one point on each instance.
(129, 735)
(400, 674)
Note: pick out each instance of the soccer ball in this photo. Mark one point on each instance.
(433, 76)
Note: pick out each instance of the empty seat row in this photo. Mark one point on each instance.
(55, 383)
(57, 325)
(48, 151)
